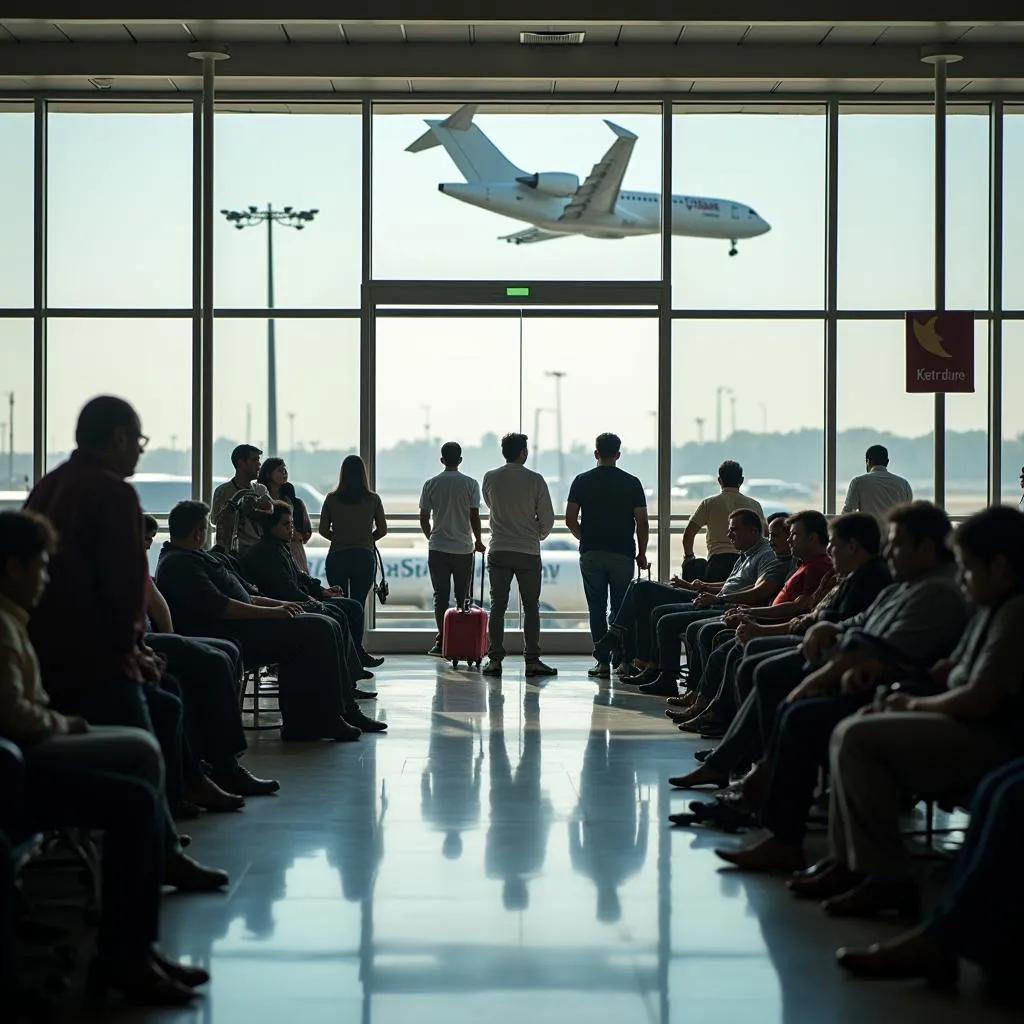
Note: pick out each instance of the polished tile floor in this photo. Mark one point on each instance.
(502, 855)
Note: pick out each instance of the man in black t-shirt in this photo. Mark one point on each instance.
(614, 505)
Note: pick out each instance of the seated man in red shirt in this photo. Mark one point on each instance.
(89, 625)
(803, 590)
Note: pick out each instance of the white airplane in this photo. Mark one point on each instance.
(558, 205)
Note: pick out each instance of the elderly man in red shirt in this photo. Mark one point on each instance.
(87, 630)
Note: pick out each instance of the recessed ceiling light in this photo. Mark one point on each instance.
(551, 38)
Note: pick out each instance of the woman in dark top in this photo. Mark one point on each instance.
(274, 476)
(352, 519)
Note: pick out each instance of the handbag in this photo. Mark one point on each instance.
(381, 588)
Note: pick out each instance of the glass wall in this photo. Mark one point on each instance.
(552, 195)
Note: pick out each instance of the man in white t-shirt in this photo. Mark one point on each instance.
(453, 500)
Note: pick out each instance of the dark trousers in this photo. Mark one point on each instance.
(774, 679)
(742, 740)
(313, 679)
(715, 569)
(340, 610)
(670, 625)
(354, 617)
(699, 639)
(444, 568)
(800, 751)
(353, 570)
(130, 814)
(502, 568)
(979, 916)
(122, 702)
(634, 614)
(208, 671)
(606, 577)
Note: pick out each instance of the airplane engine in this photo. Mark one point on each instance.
(551, 183)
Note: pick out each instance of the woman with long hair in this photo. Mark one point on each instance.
(352, 519)
(274, 476)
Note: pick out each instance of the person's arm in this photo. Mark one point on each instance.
(120, 587)
(380, 524)
(325, 522)
(852, 503)
(761, 592)
(223, 517)
(572, 519)
(697, 522)
(643, 535)
(544, 510)
(425, 522)
(475, 526)
(158, 609)
(305, 527)
(266, 609)
(275, 584)
(22, 720)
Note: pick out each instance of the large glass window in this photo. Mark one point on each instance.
(873, 407)
(15, 406)
(1013, 412)
(16, 177)
(748, 390)
(146, 361)
(443, 210)
(277, 166)
(317, 364)
(758, 179)
(886, 210)
(1013, 207)
(119, 208)
(967, 436)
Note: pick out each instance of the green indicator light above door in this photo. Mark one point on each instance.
(514, 293)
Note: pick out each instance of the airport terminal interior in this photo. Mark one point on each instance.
(777, 242)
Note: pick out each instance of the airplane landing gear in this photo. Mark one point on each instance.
(733, 251)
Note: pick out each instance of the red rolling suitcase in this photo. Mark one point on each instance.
(465, 630)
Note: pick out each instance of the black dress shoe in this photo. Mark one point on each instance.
(344, 731)
(365, 694)
(872, 898)
(183, 974)
(702, 755)
(188, 875)
(369, 661)
(663, 686)
(365, 674)
(356, 718)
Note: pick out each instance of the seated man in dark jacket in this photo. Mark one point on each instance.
(269, 565)
(207, 598)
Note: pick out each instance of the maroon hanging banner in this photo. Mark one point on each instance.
(940, 352)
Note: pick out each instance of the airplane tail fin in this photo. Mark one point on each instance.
(471, 151)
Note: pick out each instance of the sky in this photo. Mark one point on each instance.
(120, 209)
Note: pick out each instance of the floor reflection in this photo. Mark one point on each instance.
(469, 910)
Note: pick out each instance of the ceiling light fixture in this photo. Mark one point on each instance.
(551, 38)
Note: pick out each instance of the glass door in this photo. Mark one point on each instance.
(472, 374)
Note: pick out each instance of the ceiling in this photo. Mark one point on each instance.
(320, 58)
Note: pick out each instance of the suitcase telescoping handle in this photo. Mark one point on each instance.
(469, 599)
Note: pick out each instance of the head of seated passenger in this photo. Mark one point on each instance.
(188, 523)
(918, 540)
(778, 535)
(853, 540)
(278, 522)
(26, 542)
(808, 534)
(730, 474)
(109, 429)
(150, 528)
(989, 551)
(745, 529)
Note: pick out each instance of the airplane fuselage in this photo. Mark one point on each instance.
(634, 213)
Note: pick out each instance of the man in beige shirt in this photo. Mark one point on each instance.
(714, 513)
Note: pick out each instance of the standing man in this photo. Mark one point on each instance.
(878, 491)
(454, 500)
(235, 531)
(613, 505)
(521, 517)
(714, 513)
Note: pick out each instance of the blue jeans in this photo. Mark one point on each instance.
(352, 569)
(605, 573)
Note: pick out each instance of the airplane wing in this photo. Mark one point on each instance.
(599, 193)
(530, 235)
